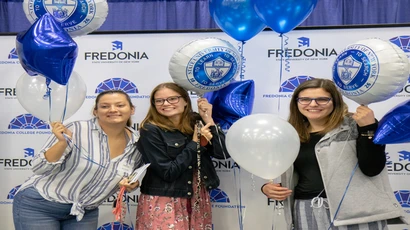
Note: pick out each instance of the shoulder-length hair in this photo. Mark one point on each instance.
(335, 118)
(153, 117)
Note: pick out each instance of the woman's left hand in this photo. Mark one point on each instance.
(206, 132)
(364, 116)
(205, 110)
(129, 187)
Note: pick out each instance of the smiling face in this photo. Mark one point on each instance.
(313, 111)
(113, 108)
(173, 110)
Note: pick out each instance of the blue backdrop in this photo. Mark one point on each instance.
(194, 14)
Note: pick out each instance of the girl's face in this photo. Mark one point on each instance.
(113, 109)
(169, 104)
(315, 104)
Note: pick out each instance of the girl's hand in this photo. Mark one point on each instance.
(276, 191)
(129, 187)
(205, 110)
(364, 116)
(206, 132)
(59, 129)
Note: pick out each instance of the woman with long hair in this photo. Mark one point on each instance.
(179, 144)
(339, 179)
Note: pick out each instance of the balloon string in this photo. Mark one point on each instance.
(85, 154)
(65, 103)
(239, 197)
(46, 96)
(283, 46)
(343, 197)
(280, 68)
(129, 211)
(277, 213)
(243, 60)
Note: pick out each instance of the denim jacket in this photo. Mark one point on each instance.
(173, 158)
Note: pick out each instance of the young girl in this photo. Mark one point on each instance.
(174, 191)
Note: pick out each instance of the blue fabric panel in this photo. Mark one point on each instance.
(194, 14)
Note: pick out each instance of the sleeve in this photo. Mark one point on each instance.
(40, 163)
(371, 156)
(218, 148)
(154, 149)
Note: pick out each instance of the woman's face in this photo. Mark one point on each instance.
(113, 108)
(317, 110)
(169, 104)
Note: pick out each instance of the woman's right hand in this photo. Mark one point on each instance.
(58, 129)
(276, 191)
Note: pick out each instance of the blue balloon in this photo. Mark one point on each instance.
(394, 127)
(283, 16)
(47, 49)
(232, 102)
(236, 18)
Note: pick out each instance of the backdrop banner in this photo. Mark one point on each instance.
(136, 63)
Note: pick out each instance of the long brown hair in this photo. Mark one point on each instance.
(114, 91)
(335, 118)
(153, 117)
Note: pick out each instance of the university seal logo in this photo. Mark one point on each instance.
(74, 15)
(212, 68)
(356, 70)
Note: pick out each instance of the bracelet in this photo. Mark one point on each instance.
(369, 134)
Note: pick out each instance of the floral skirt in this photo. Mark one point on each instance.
(160, 212)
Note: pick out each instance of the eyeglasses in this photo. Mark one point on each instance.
(170, 100)
(318, 100)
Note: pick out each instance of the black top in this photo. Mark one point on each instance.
(371, 158)
(310, 182)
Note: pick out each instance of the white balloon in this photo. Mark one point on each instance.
(371, 70)
(32, 94)
(205, 65)
(77, 17)
(263, 144)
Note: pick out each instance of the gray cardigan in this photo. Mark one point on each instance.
(367, 199)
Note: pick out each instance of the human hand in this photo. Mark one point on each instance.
(205, 110)
(59, 129)
(129, 187)
(206, 132)
(276, 191)
(364, 116)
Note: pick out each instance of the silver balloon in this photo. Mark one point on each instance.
(205, 65)
(76, 17)
(371, 70)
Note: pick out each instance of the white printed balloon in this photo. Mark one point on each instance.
(205, 65)
(371, 70)
(77, 17)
